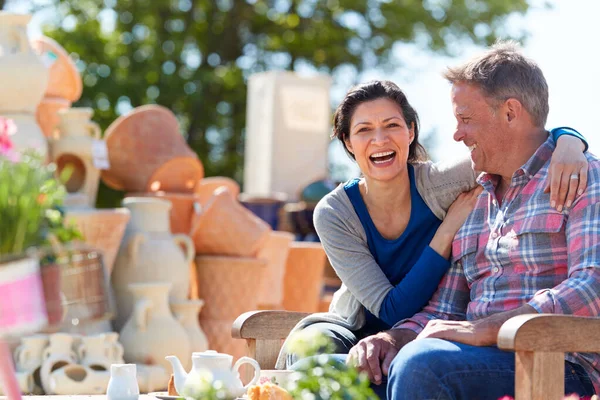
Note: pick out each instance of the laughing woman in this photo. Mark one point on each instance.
(388, 235)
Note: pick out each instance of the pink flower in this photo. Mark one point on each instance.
(7, 129)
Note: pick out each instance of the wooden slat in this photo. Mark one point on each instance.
(267, 325)
(539, 376)
(550, 333)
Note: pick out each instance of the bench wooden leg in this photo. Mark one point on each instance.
(539, 375)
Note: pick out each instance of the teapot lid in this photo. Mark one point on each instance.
(210, 354)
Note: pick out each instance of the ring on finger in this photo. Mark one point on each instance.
(574, 176)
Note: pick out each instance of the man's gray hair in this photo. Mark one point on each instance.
(503, 73)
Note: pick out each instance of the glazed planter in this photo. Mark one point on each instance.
(22, 72)
(71, 146)
(228, 286)
(29, 136)
(266, 208)
(186, 312)
(207, 186)
(151, 332)
(102, 229)
(150, 253)
(225, 227)
(140, 142)
(22, 306)
(275, 251)
(303, 280)
(178, 175)
(64, 80)
(46, 113)
(182, 209)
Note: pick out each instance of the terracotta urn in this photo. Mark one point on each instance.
(72, 146)
(228, 286)
(182, 210)
(46, 114)
(225, 227)
(207, 186)
(152, 332)
(186, 312)
(178, 175)
(140, 142)
(275, 250)
(303, 280)
(150, 253)
(24, 78)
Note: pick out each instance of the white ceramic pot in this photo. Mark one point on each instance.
(60, 346)
(25, 381)
(28, 355)
(123, 383)
(115, 349)
(151, 332)
(186, 313)
(76, 379)
(95, 352)
(72, 144)
(22, 73)
(29, 135)
(150, 253)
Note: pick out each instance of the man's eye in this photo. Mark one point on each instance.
(464, 120)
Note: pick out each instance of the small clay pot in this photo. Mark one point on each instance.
(303, 280)
(207, 186)
(178, 175)
(47, 113)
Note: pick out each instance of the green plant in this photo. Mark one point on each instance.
(30, 199)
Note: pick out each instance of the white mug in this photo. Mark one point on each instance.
(123, 383)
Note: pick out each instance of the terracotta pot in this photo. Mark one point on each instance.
(46, 113)
(225, 227)
(72, 146)
(22, 73)
(228, 287)
(182, 209)
(102, 229)
(178, 175)
(275, 251)
(304, 277)
(64, 79)
(140, 142)
(150, 253)
(207, 186)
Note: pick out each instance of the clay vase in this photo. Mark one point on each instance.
(151, 332)
(150, 253)
(228, 286)
(186, 312)
(23, 73)
(102, 229)
(46, 114)
(182, 210)
(207, 186)
(275, 251)
(303, 279)
(178, 175)
(138, 143)
(225, 227)
(64, 80)
(72, 146)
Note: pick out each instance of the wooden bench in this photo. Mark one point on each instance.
(538, 340)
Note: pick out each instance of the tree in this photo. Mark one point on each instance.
(194, 56)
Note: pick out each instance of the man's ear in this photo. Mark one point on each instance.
(513, 109)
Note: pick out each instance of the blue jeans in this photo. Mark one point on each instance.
(439, 369)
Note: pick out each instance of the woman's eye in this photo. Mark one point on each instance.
(393, 125)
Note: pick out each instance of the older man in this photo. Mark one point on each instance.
(514, 255)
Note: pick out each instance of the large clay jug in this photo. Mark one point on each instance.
(151, 332)
(186, 313)
(72, 146)
(150, 253)
(22, 73)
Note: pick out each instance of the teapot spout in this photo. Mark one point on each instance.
(179, 373)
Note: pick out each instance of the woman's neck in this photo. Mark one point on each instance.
(388, 196)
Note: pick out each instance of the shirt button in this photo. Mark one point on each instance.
(459, 265)
(496, 270)
(494, 235)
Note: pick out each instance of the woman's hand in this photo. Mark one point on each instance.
(567, 174)
(455, 218)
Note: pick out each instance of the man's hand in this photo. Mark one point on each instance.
(459, 331)
(375, 353)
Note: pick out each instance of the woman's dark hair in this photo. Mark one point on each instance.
(370, 91)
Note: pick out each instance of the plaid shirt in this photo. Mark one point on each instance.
(525, 253)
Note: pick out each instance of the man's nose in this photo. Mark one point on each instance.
(458, 136)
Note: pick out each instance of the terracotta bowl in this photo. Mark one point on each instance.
(207, 186)
(178, 175)
(64, 79)
(139, 143)
(47, 113)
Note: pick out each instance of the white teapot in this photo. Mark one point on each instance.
(219, 367)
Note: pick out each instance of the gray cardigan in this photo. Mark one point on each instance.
(345, 242)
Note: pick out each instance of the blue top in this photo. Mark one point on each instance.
(414, 268)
